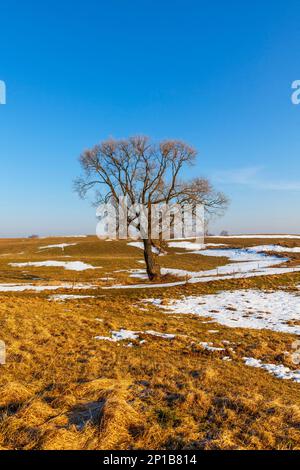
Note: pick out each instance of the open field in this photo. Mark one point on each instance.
(91, 365)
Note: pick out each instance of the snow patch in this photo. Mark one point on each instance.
(131, 335)
(279, 371)
(246, 263)
(61, 245)
(69, 265)
(42, 288)
(140, 245)
(138, 273)
(188, 245)
(210, 347)
(276, 248)
(63, 297)
(145, 286)
(119, 336)
(258, 236)
(277, 311)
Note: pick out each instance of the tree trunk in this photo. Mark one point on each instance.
(153, 269)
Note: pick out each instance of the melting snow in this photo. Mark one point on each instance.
(138, 273)
(186, 245)
(140, 245)
(279, 371)
(130, 335)
(276, 248)
(258, 236)
(41, 288)
(145, 286)
(119, 336)
(61, 245)
(63, 297)
(210, 347)
(245, 309)
(64, 236)
(69, 265)
(246, 262)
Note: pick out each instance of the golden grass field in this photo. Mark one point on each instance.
(63, 389)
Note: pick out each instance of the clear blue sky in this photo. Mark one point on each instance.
(216, 74)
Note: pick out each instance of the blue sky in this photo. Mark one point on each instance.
(216, 74)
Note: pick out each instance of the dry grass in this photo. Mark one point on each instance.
(63, 389)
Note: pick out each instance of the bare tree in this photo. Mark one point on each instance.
(146, 173)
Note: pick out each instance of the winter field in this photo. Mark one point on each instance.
(97, 357)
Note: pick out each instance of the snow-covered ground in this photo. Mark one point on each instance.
(245, 263)
(42, 288)
(119, 336)
(141, 247)
(276, 248)
(278, 236)
(64, 297)
(63, 236)
(69, 265)
(138, 273)
(189, 245)
(145, 286)
(210, 347)
(122, 335)
(279, 371)
(61, 245)
(277, 311)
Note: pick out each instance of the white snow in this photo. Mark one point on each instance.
(279, 371)
(245, 259)
(276, 248)
(246, 262)
(41, 288)
(61, 245)
(188, 245)
(130, 335)
(69, 265)
(63, 297)
(240, 255)
(145, 286)
(259, 236)
(210, 347)
(119, 336)
(138, 273)
(244, 309)
(140, 245)
(63, 236)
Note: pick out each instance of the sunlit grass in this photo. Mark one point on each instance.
(63, 389)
